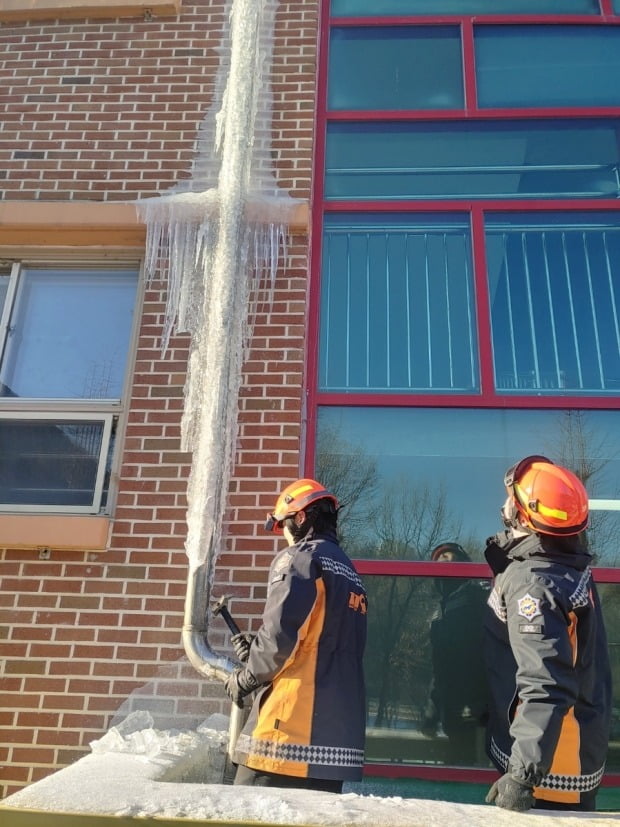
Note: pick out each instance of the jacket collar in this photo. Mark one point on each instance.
(504, 548)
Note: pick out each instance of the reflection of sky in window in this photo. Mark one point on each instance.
(467, 452)
(70, 334)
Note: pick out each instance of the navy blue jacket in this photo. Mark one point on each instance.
(548, 666)
(308, 720)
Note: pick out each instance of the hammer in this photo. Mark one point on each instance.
(221, 608)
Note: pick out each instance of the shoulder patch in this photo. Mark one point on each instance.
(529, 607)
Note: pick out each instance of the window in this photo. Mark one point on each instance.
(356, 8)
(437, 472)
(64, 339)
(576, 158)
(522, 66)
(554, 291)
(395, 286)
(393, 68)
(466, 304)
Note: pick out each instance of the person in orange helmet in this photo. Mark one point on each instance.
(546, 648)
(306, 727)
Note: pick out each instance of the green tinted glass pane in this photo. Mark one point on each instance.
(512, 159)
(530, 66)
(404, 67)
(415, 477)
(397, 308)
(610, 601)
(554, 288)
(415, 657)
(352, 8)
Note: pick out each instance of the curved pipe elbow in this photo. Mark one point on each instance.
(195, 628)
(202, 657)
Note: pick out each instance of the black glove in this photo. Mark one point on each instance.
(241, 644)
(239, 684)
(511, 794)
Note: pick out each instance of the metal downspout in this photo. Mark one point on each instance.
(202, 657)
(235, 136)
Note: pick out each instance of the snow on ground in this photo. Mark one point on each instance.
(144, 773)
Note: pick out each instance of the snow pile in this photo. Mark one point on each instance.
(102, 786)
(195, 757)
(144, 773)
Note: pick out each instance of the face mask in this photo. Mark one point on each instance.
(509, 514)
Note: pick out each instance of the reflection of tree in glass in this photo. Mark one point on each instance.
(408, 522)
(348, 471)
(610, 603)
(402, 522)
(585, 450)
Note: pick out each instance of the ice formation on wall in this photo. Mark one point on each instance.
(217, 239)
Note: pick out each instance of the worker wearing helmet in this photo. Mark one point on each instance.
(306, 727)
(546, 649)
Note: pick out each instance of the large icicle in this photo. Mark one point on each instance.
(214, 238)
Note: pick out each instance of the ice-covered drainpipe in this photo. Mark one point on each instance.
(214, 233)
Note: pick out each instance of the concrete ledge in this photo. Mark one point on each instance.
(54, 531)
(70, 223)
(88, 223)
(24, 10)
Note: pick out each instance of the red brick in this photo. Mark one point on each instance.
(138, 140)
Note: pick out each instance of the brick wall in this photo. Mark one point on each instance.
(109, 110)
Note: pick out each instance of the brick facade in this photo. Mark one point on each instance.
(108, 110)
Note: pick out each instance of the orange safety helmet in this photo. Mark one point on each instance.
(551, 498)
(296, 497)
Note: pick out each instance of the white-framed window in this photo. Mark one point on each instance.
(65, 335)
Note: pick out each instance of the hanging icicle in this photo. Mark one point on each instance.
(217, 239)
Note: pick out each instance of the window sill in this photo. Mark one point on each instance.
(56, 531)
(22, 10)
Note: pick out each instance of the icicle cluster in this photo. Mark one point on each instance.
(217, 239)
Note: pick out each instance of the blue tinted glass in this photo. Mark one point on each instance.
(554, 286)
(404, 67)
(397, 309)
(70, 334)
(523, 66)
(432, 475)
(513, 159)
(352, 8)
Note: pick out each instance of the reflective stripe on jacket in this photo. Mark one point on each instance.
(308, 720)
(548, 666)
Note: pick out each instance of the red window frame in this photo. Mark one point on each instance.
(476, 209)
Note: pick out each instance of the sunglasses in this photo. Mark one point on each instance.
(272, 525)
